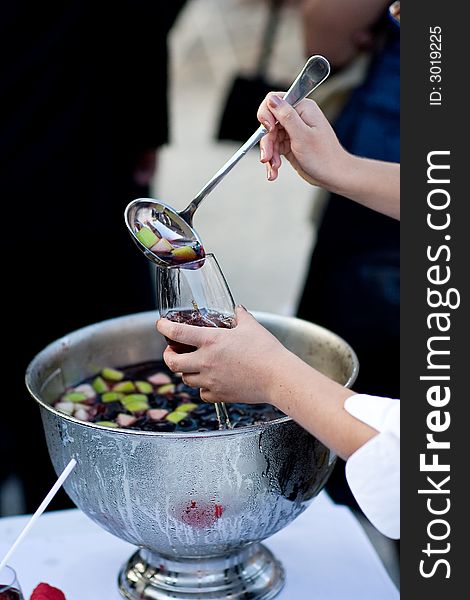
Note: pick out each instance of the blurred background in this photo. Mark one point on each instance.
(263, 233)
(212, 42)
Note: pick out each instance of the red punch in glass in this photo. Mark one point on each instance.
(196, 293)
(9, 586)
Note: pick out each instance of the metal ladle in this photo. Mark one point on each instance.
(167, 237)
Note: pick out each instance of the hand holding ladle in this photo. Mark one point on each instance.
(166, 236)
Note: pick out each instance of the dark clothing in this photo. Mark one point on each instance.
(353, 283)
(83, 92)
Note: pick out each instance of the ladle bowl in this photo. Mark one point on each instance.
(167, 237)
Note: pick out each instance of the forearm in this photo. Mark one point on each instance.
(317, 404)
(248, 364)
(373, 183)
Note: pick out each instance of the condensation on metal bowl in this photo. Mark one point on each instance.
(246, 483)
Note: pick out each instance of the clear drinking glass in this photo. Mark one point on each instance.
(9, 587)
(196, 293)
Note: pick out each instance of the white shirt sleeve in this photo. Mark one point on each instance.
(373, 471)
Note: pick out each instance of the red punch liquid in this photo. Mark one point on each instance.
(200, 318)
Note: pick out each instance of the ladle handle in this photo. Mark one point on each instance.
(315, 71)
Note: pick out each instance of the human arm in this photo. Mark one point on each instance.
(305, 137)
(248, 364)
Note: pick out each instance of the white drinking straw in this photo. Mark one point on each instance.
(65, 473)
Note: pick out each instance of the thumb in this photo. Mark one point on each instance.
(242, 315)
(287, 116)
(192, 335)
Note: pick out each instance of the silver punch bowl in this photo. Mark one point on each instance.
(246, 483)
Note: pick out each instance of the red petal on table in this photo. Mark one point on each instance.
(44, 591)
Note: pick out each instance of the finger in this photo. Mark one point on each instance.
(192, 380)
(266, 149)
(282, 137)
(310, 113)
(272, 173)
(266, 118)
(269, 175)
(274, 163)
(264, 115)
(276, 159)
(243, 316)
(287, 116)
(267, 145)
(207, 395)
(264, 111)
(181, 363)
(191, 335)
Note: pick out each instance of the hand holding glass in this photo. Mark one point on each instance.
(196, 293)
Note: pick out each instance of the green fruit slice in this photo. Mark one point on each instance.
(112, 374)
(176, 416)
(144, 387)
(168, 388)
(186, 407)
(99, 385)
(112, 396)
(74, 397)
(147, 237)
(107, 423)
(124, 386)
(136, 402)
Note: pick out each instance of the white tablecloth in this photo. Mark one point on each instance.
(325, 552)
